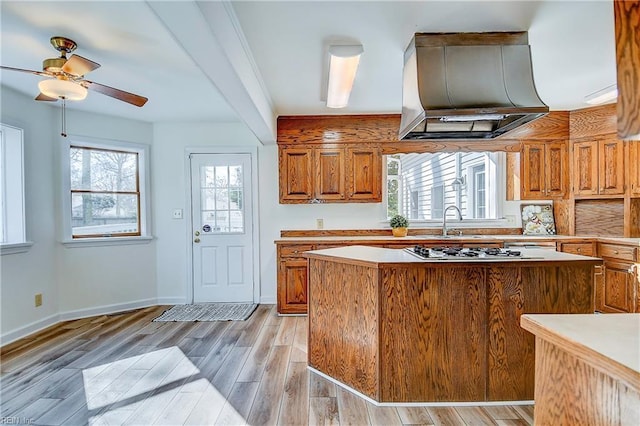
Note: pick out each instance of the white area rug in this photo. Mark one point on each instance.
(209, 312)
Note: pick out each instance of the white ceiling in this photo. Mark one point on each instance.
(251, 61)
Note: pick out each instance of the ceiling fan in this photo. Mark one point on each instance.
(65, 77)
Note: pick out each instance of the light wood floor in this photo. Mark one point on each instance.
(126, 369)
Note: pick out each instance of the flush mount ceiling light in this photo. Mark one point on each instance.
(343, 64)
(602, 96)
(62, 89)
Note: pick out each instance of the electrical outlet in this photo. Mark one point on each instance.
(511, 219)
(177, 213)
(319, 223)
(38, 300)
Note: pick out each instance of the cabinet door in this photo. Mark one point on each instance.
(556, 169)
(585, 168)
(364, 174)
(611, 166)
(618, 291)
(296, 177)
(292, 286)
(532, 171)
(330, 174)
(634, 168)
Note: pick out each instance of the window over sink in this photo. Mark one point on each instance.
(421, 186)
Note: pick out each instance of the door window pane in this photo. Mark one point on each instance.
(222, 198)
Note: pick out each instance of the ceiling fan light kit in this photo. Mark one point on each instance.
(62, 89)
(66, 77)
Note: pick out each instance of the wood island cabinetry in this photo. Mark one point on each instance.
(399, 329)
(544, 170)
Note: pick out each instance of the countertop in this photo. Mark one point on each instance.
(382, 256)
(610, 342)
(456, 239)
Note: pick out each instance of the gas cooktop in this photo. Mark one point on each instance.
(464, 253)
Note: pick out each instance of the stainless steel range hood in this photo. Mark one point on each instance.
(467, 86)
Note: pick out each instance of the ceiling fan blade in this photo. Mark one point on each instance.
(77, 65)
(27, 71)
(115, 93)
(43, 97)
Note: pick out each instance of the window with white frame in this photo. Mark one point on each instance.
(105, 189)
(430, 182)
(12, 210)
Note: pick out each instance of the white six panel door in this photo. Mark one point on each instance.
(222, 228)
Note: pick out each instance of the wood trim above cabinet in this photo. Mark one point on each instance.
(382, 129)
(593, 122)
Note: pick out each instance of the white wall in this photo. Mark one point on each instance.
(103, 279)
(25, 274)
(74, 282)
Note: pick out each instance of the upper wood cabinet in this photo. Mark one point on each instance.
(314, 174)
(598, 167)
(329, 173)
(296, 178)
(364, 174)
(544, 170)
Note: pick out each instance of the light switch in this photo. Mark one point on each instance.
(177, 213)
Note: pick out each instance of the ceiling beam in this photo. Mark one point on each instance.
(211, 35)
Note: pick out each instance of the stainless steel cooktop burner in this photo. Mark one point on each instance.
(458, 252)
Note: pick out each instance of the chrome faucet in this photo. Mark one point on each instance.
(444, 218)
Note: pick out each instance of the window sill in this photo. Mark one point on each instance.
(14, 248)
(108, 241)
(465, 223)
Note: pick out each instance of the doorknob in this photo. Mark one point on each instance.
(197, 240)
(197, 233)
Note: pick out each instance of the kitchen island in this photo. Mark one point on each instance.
(398, 328)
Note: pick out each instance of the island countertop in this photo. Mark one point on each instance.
(611, 342)
(384, 256)
(587, 369)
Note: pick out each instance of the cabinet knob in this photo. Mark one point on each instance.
(615, 252)
(579, 250)
(197, 240)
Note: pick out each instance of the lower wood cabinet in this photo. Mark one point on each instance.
(617, 286)
(292, 286)
(583, 249)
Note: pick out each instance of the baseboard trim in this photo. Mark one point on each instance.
(416, 404)
(270, 300)
(36, 326)
(28, 329)
(172, 301)
(107, 309)
(52, 320)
